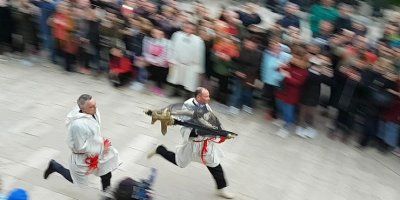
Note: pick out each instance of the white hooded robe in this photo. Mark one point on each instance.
(187, 59)
(84, 140)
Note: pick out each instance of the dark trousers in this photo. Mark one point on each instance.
(223, 88)
(57, 167)
(69, 61)
(158, 74)
(370, 129)
(179, 90)
(90, 60)
(83, 57)
(216, 172)
(344, 121)
(241, 94)
(269, 93)
(120, 79)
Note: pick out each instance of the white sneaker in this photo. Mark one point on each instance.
(396, 151)
(34, 59)
(152, 153)
(137, 86)
(283, 133)
(26, 63)
(247, 109)
(278, 123)
(300, 132)
(225, 194)
(310, 132)
(233, 110)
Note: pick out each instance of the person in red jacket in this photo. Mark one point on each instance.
(294, 77)
(120, 68)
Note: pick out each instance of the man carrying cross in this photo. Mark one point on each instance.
(197, 145)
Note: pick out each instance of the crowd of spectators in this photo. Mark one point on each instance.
(151, 44)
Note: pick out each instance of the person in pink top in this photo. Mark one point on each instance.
(156, 52)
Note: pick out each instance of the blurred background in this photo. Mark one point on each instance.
(311, 87)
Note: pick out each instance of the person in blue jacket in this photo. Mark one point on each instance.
(47, 8)
(274, 57)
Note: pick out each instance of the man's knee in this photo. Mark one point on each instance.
(106, 176)
(160, 149)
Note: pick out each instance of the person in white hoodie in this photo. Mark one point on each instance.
(91, 153)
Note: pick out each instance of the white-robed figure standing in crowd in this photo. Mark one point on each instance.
(187, 60)
(91, 153)
(198, 147)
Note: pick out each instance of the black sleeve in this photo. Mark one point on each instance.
(327, 80)
(193, 133)
(257, 19)
(103, 5)
(391, 85)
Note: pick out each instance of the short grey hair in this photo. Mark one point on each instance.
(198, 91)
(83, 99)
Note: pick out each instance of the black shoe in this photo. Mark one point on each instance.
(174, 94)
(49, 169)
(361, 147)
(384, 148)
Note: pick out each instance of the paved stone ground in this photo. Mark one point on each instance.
(34, 102)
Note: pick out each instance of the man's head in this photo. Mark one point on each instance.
(3, 3)
(117, 52)
(326, 27)
(327, 3)
(250, 43)
(87, 104)
(345, 9)
(189, 28)
(300, 57)
(157, 33)
(202, 95)
(361, 43)
(292, 8)
(274, 45)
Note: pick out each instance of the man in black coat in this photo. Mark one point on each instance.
(247, 70)
(290, 17)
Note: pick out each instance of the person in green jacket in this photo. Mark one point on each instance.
(322, 12)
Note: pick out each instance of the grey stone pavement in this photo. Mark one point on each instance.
(34, 102)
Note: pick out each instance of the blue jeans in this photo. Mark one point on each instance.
(142, 75)
(48, 42)
(287, 112)
(389, 132)
(241, 95)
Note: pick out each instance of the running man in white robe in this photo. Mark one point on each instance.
(91, 153)
(194, 147)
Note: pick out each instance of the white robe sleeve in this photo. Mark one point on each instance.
(173, 50)
(201, 57)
